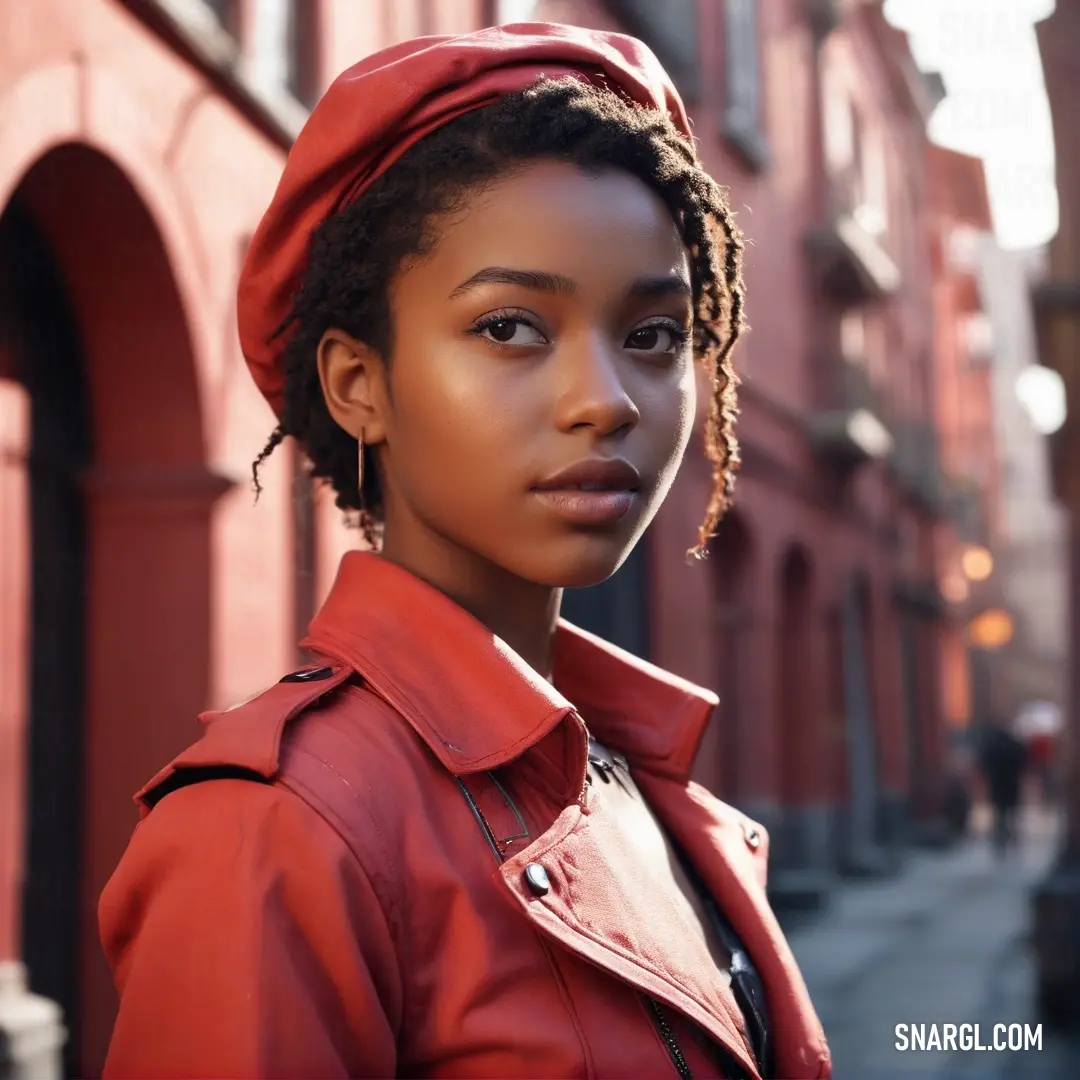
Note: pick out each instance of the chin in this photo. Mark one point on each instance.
(575, 561)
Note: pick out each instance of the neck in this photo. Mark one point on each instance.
(519, 612)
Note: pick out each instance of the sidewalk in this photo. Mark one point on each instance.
(943, 942)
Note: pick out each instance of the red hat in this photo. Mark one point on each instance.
(376, 110)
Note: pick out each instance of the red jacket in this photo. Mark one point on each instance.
(348, 914)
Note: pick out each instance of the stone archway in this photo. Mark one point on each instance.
(731, 557)
(861, 853)
(119, 513)
(802, 839)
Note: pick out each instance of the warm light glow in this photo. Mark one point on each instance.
(991, 630)
(977, 562)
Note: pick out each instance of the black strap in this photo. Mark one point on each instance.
(746, 984)
(187, 775)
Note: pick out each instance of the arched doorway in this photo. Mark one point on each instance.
(798, 725)
(119, 524)
(802, 838)
(45, 355)
(731, 559)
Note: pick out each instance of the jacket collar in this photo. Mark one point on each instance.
(474, 701)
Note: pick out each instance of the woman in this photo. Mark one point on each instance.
(463, 842)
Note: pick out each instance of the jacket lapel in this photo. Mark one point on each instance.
(478, 706)
(604, 904)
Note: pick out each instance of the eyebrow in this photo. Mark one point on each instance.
(559, 285)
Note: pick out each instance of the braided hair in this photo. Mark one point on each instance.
(356, 252)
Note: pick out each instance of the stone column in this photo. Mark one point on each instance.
(31, 1028)
(14, 648)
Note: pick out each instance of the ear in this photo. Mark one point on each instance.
(353, 379)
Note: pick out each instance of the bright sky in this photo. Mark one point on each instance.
(996, 106)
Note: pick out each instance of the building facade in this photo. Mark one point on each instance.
(958, 224)
(1056, 932)
(140, 585)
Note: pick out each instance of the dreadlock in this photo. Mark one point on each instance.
(356, 252)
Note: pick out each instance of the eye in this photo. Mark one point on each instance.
(508, 329)
(659, 338)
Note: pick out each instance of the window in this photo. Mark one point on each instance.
(670, 29)
(742, 81)
(853, 334)
(963, 248)
(876, 345)
(284, 48)
(301, 48)
(513, 11)
(868, 166)
(977, 336)
(856, 154)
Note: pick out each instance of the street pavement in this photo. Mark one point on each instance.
(944, 941)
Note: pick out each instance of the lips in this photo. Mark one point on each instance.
(592, 492)
(594, 474)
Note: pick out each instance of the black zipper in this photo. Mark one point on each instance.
(669, 1040)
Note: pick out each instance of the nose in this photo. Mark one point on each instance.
(591, 393)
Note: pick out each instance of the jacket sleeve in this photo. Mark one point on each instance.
(246, 941)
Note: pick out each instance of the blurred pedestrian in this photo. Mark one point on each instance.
(1038, 724)
(465, 841)
(1040, 757)
(1002, 757)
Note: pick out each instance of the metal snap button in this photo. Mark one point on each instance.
(753, 836)
(536, 878)
(309, 675)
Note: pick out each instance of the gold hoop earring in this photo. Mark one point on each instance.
(360, 466)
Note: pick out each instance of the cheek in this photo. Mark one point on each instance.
(676, 417)
(690, 397)
(457, 426)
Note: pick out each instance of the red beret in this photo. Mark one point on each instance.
(379, 108)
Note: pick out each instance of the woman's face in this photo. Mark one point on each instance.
(547, 333)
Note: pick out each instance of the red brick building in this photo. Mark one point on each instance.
(1057, 306)
(140, 141)
(958, 223)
